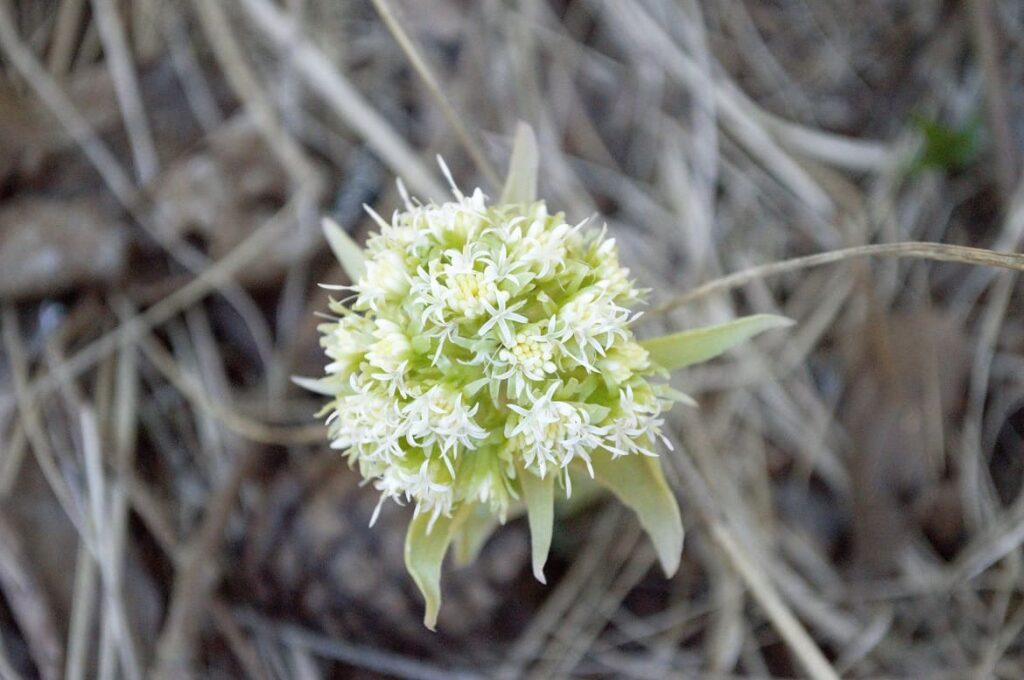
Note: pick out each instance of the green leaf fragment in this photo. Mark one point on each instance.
(539, 496)
(946, 147)
(348, 252)
(679, 350)
(521, 183)
(425, 548)
(638, 482)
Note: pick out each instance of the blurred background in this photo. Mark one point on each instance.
(168, 505)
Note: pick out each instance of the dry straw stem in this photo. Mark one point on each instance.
(753, 574)
(240, 424)
(14, 456)
(350, 105)
(107, 504)
(213, 278)
(195, 85)
(420, 64)
(196, 577)
(126, 86)
(229, 53)
(359, 656)
(585, 569)
(113, 174)
(985, 38)
(65, 33)
(83, 607)
(914, 250)
(29, 603)
(32, 421)
(241, 646)
(24, 62)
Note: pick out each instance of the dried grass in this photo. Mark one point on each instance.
(853, 489)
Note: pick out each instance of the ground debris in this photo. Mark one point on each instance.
(49, 246)
(218, 195)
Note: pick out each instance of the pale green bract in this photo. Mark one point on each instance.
(482, 357)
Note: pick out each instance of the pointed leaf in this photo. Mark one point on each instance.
(479, 525)
(317, 385)
(521, 183)
(585, 492)
(700, 344)
(473, 534)
(348, 252)
(639, 483)
(424, 553)
(539, 496)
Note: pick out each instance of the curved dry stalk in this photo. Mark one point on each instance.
(65, 33)
(910, 249)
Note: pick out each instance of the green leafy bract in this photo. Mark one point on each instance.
(686, 348)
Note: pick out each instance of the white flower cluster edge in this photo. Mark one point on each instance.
(481, 343)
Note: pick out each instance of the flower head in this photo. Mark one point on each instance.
(486, 331)
(486, 357)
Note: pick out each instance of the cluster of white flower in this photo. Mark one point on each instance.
(482, 343)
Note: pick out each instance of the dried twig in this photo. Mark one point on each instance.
(922, 251)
